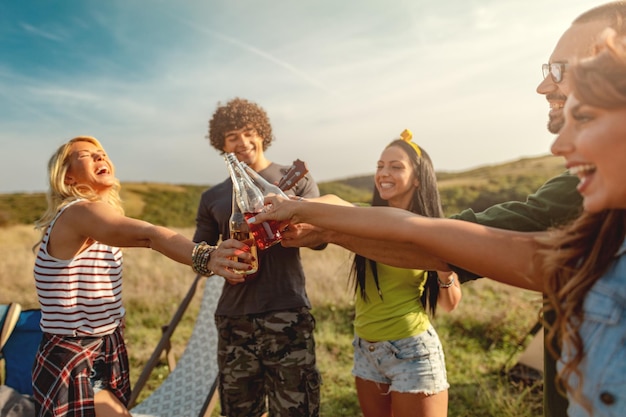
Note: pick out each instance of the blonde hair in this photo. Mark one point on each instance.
(579, 254)
(60, 193)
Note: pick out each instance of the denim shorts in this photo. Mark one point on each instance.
(415, 364)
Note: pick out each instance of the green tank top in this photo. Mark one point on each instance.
(399, 313)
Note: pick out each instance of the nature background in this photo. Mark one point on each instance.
(339, 80)
(483, 337)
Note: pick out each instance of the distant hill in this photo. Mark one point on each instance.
(175, 205)
(477, 188)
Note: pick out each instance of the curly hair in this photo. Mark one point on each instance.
(237, 114)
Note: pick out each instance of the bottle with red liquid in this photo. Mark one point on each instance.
(251, 203)
(240, 230)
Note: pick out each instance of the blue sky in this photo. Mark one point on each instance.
(339, 80)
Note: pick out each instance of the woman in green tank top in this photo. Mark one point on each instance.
(399, 365)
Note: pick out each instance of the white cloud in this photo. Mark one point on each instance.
(338, 79)
(42, 33)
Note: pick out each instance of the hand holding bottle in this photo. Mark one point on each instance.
(250, 200)
(253, 189)
(230, 256)
(239, 229)
(280, 210)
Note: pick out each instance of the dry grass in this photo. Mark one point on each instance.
(154, 285)
(150, 275)
(481, 334)
(327, 273)
(16, 266)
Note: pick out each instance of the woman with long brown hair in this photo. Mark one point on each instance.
(399, 364)
(581, 267)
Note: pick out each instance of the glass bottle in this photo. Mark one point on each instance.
(240, 230)
(251, 203)
(264, 185)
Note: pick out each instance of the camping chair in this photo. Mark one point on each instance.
(189, 390)
(20, 340)
(9, 314)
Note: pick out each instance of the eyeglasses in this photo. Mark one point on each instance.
(555, 70)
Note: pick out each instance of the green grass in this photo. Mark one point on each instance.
(480, 339)
(334, 355)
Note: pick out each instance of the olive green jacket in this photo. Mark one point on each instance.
(555, 203)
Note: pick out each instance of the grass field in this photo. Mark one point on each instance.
(478, 338)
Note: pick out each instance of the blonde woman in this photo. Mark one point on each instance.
(81, 368)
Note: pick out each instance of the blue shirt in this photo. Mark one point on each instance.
(603, 333)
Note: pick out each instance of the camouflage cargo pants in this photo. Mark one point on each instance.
(268, 356)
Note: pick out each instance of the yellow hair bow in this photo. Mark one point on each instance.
(406, 136)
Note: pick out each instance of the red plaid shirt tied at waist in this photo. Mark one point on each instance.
(61, 374)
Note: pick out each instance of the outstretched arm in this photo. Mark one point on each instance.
(502, 255)
(398, 254)
(98, 221)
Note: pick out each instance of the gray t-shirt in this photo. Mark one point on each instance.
(280, 282)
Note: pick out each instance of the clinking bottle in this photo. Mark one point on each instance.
(250, 198)
(266, 187)
(240, 230)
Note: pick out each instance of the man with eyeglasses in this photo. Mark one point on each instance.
(554, 203)
(557, 201)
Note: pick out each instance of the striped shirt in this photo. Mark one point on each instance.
(81, 296)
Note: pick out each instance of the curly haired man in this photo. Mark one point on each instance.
(266, 349)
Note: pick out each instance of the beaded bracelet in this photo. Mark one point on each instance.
(200, 257)
(444, 285)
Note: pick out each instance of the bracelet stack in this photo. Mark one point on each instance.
(200, 257)
(446, 285)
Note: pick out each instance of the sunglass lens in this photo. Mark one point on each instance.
(557, 74)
